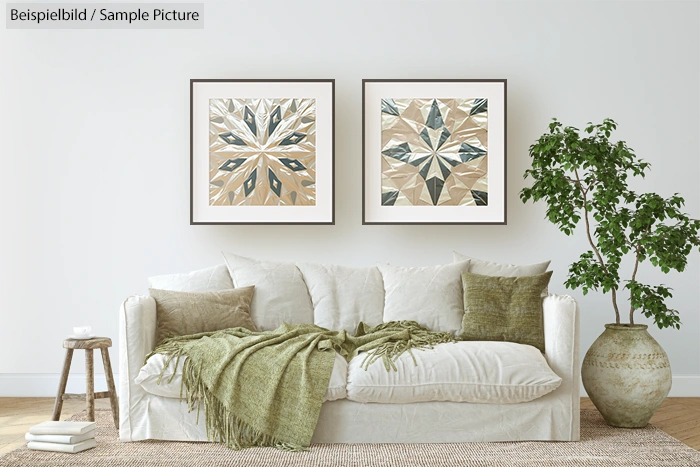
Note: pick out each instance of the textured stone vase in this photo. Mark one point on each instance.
(627, 375)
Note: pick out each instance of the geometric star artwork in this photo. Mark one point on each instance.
(434, 152)
(262, 152)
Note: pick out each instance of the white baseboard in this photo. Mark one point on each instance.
(682, 386)
(46, 384)
(685, 386)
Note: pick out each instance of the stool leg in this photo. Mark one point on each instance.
(58, 405)
(90, 385)
(110, 386)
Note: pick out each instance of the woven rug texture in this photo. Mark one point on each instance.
(600, 446)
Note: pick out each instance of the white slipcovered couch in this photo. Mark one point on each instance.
(458, 392)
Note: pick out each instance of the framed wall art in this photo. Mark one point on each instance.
(434, 151)
(262, 151)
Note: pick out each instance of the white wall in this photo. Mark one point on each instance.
(94, 147)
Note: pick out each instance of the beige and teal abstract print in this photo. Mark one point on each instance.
(262, 152)
(434, 152)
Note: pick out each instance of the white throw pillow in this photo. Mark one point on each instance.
(150, 373)
(489, 268)
(431, 296)
(280, 292)
(473, 371)
(343, 296)
(211, 279)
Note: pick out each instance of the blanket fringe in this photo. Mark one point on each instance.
(418, 338)
(222, 425)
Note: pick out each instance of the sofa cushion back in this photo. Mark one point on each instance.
(432, 296)
(343, 296)
(280, 292)
(211, 279)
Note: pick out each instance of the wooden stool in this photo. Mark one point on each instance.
(102, 343)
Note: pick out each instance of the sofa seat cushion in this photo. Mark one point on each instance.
(150, 372)
(479, 372)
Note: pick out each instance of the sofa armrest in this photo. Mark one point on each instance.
(137, 338)
(561, 343)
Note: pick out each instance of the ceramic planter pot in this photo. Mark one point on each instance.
(627, 375)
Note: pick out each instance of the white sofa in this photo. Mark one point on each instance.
(408, 406)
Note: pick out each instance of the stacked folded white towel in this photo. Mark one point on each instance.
(62, 436)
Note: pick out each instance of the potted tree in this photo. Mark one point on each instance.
(583, 176)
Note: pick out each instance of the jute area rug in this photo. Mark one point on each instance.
(600, 445)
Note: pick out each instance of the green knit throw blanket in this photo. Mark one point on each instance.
(266, 388)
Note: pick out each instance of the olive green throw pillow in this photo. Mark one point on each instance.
(183, 313)
(504, 308)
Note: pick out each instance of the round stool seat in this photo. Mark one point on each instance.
(93, 343)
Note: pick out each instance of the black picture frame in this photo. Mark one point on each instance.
(202, 210)
(374, 211)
